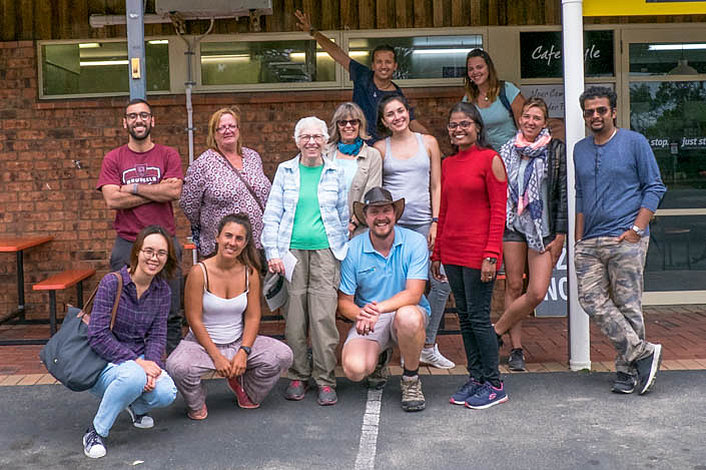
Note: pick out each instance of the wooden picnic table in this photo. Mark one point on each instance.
(18, 245)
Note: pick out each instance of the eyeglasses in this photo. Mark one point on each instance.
(346, 122)
(143, 115)
(150, 253)
(463, 125)
(601, 110)
(226, 128)
(306, 138)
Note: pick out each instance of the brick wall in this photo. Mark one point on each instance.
(51, 152)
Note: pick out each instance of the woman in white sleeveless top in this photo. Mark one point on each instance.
(411, 169)
(222, 305)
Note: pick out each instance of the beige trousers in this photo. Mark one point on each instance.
(311, 309)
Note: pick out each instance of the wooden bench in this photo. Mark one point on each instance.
(61, 281)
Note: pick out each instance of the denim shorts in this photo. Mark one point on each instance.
(515, 236)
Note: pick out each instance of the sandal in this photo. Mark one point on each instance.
(199, 415)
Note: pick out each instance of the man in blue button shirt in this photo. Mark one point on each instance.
(618, 189)
(382, 290)
(370, 86)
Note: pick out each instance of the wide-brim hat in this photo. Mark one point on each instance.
(275, 291)
(377, 196)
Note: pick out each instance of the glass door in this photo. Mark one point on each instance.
(663, 89)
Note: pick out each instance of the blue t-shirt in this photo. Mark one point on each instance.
(499, 125)
(613, 181)
(367, 96)
(369, 276)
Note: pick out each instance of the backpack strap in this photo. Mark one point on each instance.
(503, 99)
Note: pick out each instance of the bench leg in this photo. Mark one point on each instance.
(79, 294)
(52, 312)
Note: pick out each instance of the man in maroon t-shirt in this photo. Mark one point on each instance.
(139, 181)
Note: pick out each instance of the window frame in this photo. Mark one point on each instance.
(412, 32)
(40, 68)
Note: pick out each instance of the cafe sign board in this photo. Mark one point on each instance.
(541, 54)
(643, 7)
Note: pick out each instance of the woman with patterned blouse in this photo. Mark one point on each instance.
(225, 179)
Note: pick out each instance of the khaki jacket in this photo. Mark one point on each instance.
(368, 176)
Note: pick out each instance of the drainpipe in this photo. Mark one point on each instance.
(572, 33)
(188, 85)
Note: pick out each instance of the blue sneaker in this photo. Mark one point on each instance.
(487, 396)
(465, 391)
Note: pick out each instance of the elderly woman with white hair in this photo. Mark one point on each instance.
(307, 215)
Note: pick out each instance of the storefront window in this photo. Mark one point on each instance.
(667, 59)
(250, 62)
(100, 67)
(672, 116)
(421, 56)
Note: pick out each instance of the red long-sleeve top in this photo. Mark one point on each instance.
(472, 215)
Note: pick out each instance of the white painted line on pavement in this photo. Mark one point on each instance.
(365, 460)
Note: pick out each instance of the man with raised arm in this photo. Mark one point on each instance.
(139, 180)
(618, 189)
(382, 290)
(370, 86)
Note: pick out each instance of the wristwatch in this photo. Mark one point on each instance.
(639, 231)
(491, 260)
(435, 220)
(247, 349)
(134, 188)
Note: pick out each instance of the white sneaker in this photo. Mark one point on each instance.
(434, 358)
(144, 421)
(93, 445)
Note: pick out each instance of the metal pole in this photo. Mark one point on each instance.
(20, 285)
(572, 29)
(136, 49)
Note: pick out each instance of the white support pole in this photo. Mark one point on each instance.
(572, 29)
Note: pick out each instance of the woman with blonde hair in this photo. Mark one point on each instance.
(361, 163)
(227, 178)
(537, 219)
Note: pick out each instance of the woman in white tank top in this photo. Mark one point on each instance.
(222, 306)
(411, 169)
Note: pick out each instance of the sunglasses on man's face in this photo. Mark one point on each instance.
(601, 110)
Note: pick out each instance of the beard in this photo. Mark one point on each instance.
(136, 136)
(375, 232)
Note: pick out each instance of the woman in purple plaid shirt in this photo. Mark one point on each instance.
(133, 380)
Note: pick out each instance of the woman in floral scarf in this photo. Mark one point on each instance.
(536, 219)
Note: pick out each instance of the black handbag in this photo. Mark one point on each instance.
(68, 355)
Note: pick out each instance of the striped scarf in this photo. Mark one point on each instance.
(526, 208)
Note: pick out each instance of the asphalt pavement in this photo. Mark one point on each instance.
(552, 421)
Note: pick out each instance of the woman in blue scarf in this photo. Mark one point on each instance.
(536, 219)
(361, 164)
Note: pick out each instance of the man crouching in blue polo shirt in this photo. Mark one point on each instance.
(382, 291)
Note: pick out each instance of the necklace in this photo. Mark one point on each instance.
(485, 97)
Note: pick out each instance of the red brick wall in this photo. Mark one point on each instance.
(51, 152)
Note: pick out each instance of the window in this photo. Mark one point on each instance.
(99, 67)
(427, 57)
(667, 59)
(254, 62)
